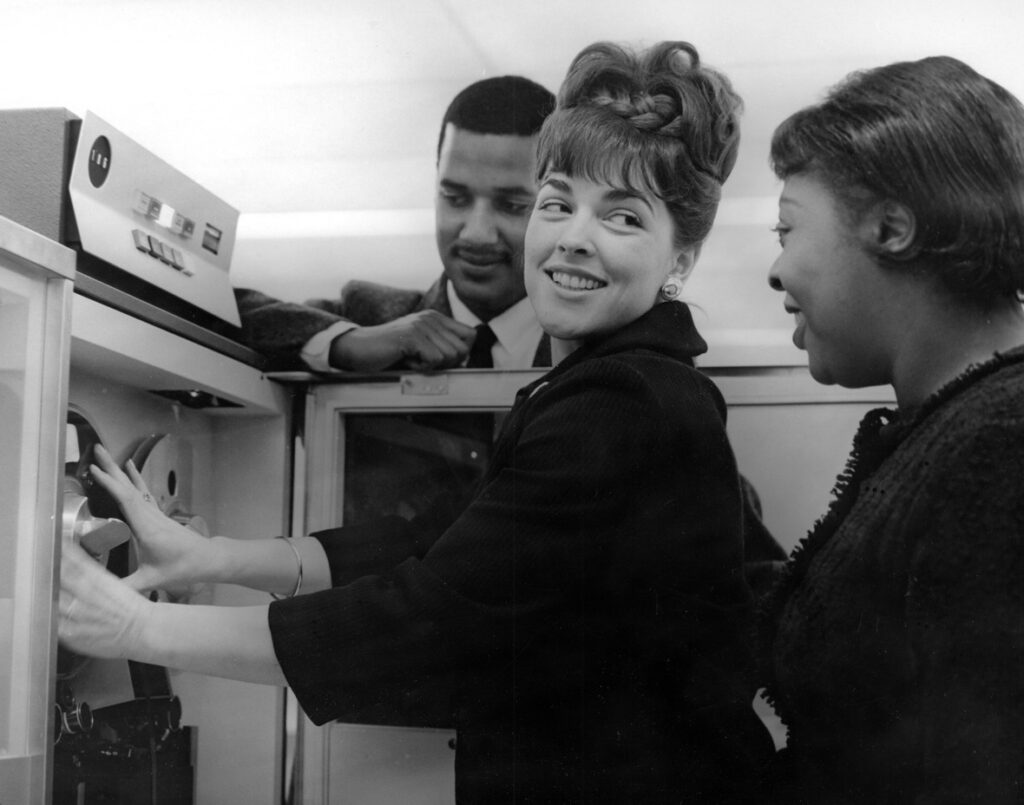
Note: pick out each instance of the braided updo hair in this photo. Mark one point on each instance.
(657, 121)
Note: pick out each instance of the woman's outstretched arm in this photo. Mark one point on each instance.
(171, 555)
(102, 616)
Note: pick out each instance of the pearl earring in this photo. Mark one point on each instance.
(672, 289)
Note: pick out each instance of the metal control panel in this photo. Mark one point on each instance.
(138, 213)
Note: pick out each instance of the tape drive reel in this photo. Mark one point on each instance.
(92, 518)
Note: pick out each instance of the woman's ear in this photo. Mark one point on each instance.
(894, 228)
(685, 261)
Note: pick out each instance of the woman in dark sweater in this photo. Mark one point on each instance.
(582, 620)
(894, 642)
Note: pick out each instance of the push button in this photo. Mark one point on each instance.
(163, 251)
(141, 240)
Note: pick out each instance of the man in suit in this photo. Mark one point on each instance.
(486, 182)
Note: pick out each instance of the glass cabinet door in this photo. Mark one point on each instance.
(390, 445)
(35, 297)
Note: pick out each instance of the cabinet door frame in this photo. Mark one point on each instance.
(41, 272)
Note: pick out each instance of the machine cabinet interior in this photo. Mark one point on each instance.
(230, 466)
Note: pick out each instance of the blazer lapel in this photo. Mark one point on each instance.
(436, 297)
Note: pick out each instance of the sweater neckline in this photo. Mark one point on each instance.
(667, 329)
(911, 416)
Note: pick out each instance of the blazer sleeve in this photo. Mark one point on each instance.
(377, 546)
(279, 329)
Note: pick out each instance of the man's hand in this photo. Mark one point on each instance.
(423, 340)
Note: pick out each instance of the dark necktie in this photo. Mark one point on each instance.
(480, 353)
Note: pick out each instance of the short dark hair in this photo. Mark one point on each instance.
(938, 138)
(658, 121)
(508, 104)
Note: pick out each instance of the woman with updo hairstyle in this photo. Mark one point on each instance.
(893, 645)
(584, 619)
(661, 122)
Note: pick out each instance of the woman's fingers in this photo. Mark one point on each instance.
(167, 552)
(138, 483)
(112, 478)
(107, 481)
(78, 574)
(109, 475)
(108, 465)
(99, 615)
(122, 484)
(76, 566)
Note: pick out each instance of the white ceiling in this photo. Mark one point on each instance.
(318, 118)
(308, 105)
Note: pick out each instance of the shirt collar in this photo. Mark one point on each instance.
(512, 327)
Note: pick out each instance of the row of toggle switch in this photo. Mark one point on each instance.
(164, 214)
(161, 251)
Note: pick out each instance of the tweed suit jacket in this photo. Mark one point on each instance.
(279, 329)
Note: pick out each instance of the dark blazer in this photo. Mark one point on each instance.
(279, 329)
(585, 614)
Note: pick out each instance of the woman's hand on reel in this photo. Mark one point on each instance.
(170, 555)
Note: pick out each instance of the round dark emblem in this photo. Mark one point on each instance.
(99, 161)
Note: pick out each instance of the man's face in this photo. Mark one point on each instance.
(485, 193)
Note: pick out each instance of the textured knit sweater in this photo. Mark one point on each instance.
(895, 641)
(583, 617)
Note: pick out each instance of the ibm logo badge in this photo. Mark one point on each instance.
(99, 161)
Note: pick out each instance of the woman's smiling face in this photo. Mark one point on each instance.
(843, 302)
(597, 255)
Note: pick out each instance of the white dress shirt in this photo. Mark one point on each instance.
(517, 331)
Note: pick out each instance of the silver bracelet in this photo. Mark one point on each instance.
(298, 579)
